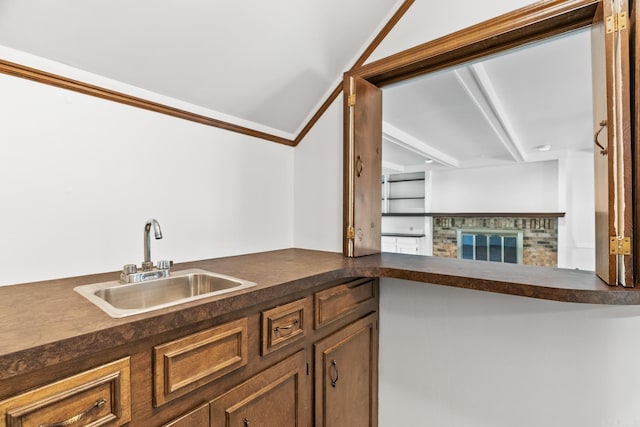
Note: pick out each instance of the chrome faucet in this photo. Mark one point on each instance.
(130, 273)
(147, 264)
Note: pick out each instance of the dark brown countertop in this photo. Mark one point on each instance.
(45, 323)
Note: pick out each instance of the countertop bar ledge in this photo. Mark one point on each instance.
(45, 323)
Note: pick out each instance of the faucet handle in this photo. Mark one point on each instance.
(163, 264)
(129, 269)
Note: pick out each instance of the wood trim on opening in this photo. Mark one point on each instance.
(40, 76)
(529, 24)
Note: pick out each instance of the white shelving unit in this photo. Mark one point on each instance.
(405, 227)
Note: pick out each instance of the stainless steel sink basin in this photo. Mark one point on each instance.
(120, 300)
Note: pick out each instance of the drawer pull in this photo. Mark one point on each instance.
(99, 404)
(334, 370)
(246, 422)
(286, 328)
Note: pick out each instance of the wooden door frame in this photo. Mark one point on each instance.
(529, 24)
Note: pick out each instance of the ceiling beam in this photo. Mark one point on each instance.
(392, 166)
(411, 143)
(477, 84)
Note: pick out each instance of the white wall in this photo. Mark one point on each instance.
(79, 177)
(525, 187)
(452, 357)
(318, 184)
(461, 358)
(576, 231)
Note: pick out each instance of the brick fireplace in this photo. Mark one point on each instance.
(539, 242)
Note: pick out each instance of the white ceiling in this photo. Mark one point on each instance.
(266, 62)
(494, 111)
(269, 65)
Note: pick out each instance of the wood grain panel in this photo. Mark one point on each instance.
(276, 397)
(185, 364)
(334, 303)
(284, 325)
(199, 417)
(99, 397)
(346, 372)
(362, 168)
(528, 24)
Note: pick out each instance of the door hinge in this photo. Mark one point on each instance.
(619, 245)
(351, 233)
(616, 22)
(351, 101)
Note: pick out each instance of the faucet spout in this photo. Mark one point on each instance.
(147, 264)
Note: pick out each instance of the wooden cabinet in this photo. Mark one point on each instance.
(283, 325)
(98, 397)
(199, 417)
(276, 397)
(346, 376)
(334, 303)
(187, 363)
(269, 365)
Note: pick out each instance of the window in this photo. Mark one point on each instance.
(490, 245)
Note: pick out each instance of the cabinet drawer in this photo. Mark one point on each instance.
(334, 303)
(284, 325)
(187, 363)
(98, 397)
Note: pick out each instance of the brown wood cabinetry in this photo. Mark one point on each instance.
(309, 358)
(338, 301)
(98, 397)
(199, 417)
(187, 363)
(285, 324)
(276, 397)
(346, 376)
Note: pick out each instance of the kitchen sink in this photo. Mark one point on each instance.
(121, 300)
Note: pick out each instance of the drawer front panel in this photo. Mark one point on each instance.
(334, 303)
(284, 325)
(185, 364)
(98, 397)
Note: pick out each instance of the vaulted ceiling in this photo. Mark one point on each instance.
(269, 66)
(264, 64)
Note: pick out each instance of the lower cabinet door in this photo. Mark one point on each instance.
(276, 397)
(199, 417)
(346, 371)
